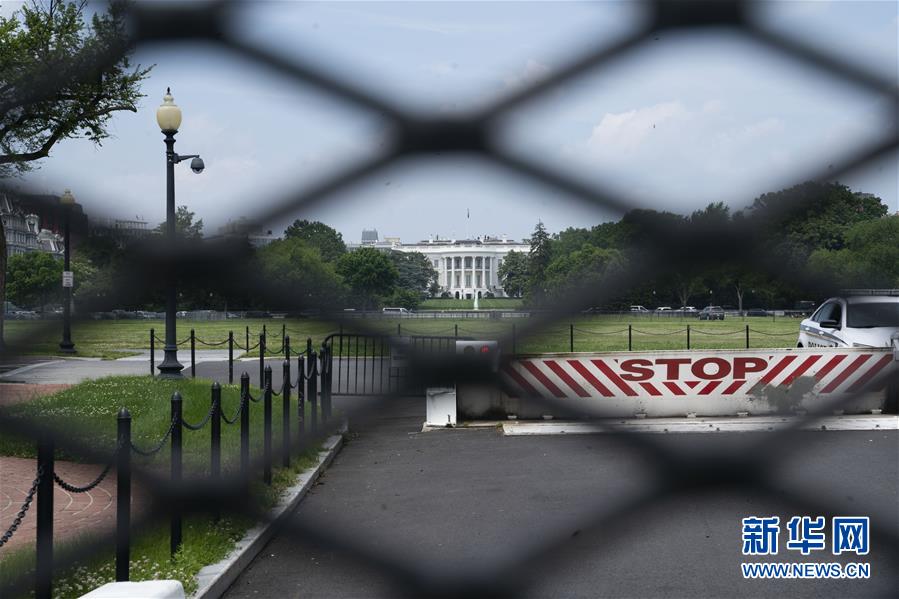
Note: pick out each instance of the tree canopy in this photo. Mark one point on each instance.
(414, 272)
(369, 274)
(318, 235)
(57, 79)
(184, 224)
(34, 279)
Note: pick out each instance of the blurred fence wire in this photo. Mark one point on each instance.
(475, 133)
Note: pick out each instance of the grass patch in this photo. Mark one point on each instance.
(592, 333)
(88, 412)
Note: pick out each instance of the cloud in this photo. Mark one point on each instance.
(532, 72)
(626, 132)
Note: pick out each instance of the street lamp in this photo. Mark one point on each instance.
(168, 116)
(67, 201)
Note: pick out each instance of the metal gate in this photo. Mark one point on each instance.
(372, 364)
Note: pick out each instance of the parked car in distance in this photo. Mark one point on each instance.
(687, 309)
(712, 313)
(663, 309)
(395, 311)
(756, 312)
(853, 321)
(639, 310)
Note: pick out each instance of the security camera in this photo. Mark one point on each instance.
(196, 165)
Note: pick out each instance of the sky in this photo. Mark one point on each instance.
(684, 120)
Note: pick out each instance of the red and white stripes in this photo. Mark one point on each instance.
(696, 374)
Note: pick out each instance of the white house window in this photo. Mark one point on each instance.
(458, 262)
(478, 263)
(467, 261)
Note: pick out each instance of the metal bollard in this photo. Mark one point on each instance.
(571, 338)
(44, 575)
(285, 414)
(326, 382)
(245, 426)
(175, 527)
(399, 330)
(747, 336)
(688, 336)
(456, 330)
(123, 498)
(262, 361)
(313, 392)
(152, 352)
(215, 438)
(287, 347)
(230, 357)
(267, 428)
(247, 346)
(193, 354)
(301, 393)
(630, 338)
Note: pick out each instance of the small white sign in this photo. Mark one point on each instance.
(68, 278)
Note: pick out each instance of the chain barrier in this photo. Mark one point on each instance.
(791, 334)
(196, 427)
(724, 334)
(158, 447)
(21, 515)
(240, 408)
(209, 344)
(660, 334)
(602, 332)
(91, 485)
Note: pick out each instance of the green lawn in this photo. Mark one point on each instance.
(592, 332)
(88, 412)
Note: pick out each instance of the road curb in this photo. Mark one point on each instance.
(215, 579)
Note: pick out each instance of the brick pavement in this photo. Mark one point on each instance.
(74, 513)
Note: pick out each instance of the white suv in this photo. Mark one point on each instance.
(853, 321)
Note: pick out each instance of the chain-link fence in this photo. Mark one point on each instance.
(475, 133)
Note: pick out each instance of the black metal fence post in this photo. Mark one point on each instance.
(152, 352)
(193, 354)
(301, 394)
(262, 361)
(264, 333)
(247, 346)
(215, 439)
(688, 336)
(571, 338)
(312, 386)
(283, 333)
(230, 357)
(287, 347)
(747, 336)
(175, 528)
(44, 570)
(267, 428)
(326, 382)
(456, 330)
(399, 330)
(285, 413)
(630, 338)
(245, 426)
(123, 498)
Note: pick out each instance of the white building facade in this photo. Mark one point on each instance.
(466, 268)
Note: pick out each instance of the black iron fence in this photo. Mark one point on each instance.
(675, 473)
(294, 418)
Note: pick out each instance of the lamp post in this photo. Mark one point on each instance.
(168, 116)
(67, 200)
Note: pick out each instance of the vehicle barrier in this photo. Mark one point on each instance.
(675, 383)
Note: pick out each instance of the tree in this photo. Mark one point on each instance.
(404, 298)
(539, 258)
(48, 90)
(318, 235)
(296, 276)
(370, 274)
(582, 269)
(34, 279)
(869, 260)
(184, 224)
(513, 274)
(414, 272)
